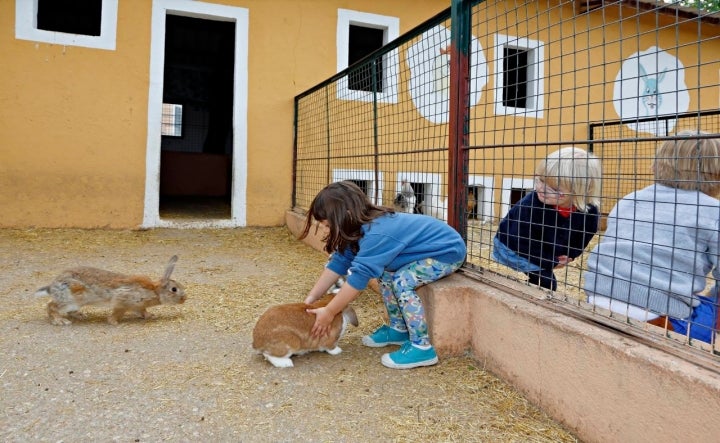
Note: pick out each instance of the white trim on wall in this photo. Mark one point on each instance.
(508, 184)
(364, 175)
(26, 27)
(190, 8)
(536, 76)
(431, 181)
(487, 184)
(391, 26)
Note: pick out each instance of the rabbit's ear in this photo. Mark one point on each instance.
(169, 268)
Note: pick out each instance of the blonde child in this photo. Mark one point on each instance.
(662, 241)
(552, 225)
(403, 251)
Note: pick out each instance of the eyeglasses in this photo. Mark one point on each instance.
(541, 186)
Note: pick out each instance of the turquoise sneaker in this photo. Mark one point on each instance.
(385, 335)
(409, 356)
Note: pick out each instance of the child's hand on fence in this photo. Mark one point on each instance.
(562, 261)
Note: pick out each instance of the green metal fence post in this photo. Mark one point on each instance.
(293, 197)
(327, 135)
(373, 74)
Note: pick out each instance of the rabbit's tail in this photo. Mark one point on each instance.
(43, 292)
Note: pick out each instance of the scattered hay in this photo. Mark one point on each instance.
(189, 374)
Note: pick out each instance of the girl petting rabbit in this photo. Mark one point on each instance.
(403, 251)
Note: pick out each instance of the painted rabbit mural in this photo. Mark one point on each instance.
(649, 96)
(651, 83)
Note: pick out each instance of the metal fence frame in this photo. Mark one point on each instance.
(461, 132)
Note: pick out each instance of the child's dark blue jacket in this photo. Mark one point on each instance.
(539, 233)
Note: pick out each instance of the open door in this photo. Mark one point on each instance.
(196, 128)
(197, 125)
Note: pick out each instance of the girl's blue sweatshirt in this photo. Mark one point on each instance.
(394, 240)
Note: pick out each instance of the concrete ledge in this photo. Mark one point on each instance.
(295, 222)
(602, 384)
(605, 386)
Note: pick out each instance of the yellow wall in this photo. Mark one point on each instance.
(583, 55)
(73, 125)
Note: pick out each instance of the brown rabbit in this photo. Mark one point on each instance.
(78, 287)
(284, 330)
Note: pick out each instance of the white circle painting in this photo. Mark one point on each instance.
(429, 62)
(651, 84)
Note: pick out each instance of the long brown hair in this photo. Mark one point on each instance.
(346, 208)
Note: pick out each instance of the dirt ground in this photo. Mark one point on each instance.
(189, 373)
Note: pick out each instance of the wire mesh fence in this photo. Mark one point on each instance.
(613, 80)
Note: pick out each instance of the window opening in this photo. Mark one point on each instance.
(516, 194)
(420, 191)
(519, 70)
(370, 32)
(473, 201)
(172, 117)
(363, 41)
(82, 17)
(362, 184)
(515, 77)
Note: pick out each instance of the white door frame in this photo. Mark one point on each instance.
(238, 199)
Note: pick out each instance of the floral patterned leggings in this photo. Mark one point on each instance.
(403, 305)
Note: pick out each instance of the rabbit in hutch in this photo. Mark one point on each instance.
(405, 200)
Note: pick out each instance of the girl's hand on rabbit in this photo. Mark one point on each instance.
(323, 320)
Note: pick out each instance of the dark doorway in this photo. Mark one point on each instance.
(197, 137)
(419, 189)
